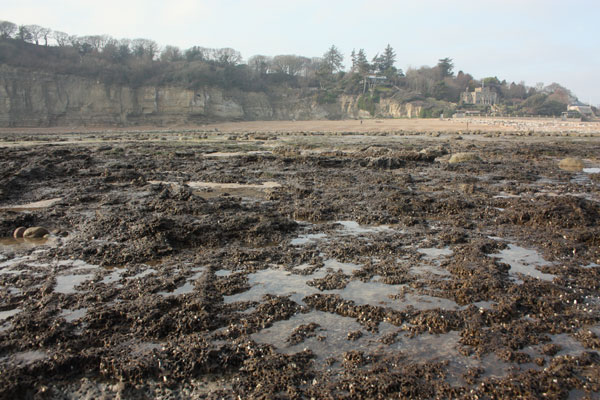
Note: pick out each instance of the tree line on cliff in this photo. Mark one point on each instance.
(141, 62)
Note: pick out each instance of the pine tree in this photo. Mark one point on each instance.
(332, 60)
(354, 67)
(446, 66)
(385, 62)
(362, 64)
(388, 58)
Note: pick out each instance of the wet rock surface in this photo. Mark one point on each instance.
(34, 232)
(370, 270)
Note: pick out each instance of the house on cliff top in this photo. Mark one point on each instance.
(583, 109)
(481, 96)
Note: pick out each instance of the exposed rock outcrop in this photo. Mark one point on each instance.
(34, 98)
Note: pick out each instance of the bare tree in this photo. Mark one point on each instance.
(121, 50)
(96, 42)
(515, 91)
(125, 43)
(73, 40)
(7, 29)
(422, 80)
(61, 38)
(45, 33)
(23, 33)
(36, 33)
(111, 41)
(289, 64)
(152, 49)
(81, 44)
(111, 50)
(259, 64)
(196, 53)
(312, 66)
(539, 87)
(227, 56)
(144, 48)
(171, 53)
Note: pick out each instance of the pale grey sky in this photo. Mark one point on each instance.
(517, 40)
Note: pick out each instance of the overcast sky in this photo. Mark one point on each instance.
(517, 40)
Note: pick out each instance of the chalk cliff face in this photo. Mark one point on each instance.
(33, 98)
(386, 108)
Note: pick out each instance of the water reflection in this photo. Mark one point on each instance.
(523, 261)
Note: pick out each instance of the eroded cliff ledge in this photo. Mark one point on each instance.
(34, 98)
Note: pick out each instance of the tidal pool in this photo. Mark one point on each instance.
(66, 284)
(523, 261)
(142, 274)
(73, 315)
(278, 281)
(188, 286)
(26, 357)
(331, 339)
(348, 228)
(310, 237)
(433, 253)
(353, 228)
(114, 276)
(9, 313)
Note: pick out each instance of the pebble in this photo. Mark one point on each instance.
(35, 232)
(463, 157)
(571, 164)
(18, 234)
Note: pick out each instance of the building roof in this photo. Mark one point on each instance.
(578, 104)
(377, 77)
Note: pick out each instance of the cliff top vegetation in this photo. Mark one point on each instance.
(141, 62)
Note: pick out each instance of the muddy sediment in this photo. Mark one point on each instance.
(300, 267)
